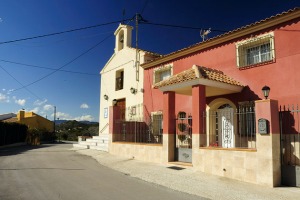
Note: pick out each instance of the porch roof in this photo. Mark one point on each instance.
(216, 81)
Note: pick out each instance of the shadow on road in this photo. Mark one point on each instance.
(9, 151)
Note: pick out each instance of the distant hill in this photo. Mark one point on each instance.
(88, 122)
(71, 129)
(58, 122)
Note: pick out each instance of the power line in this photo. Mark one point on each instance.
(48, 68)
(19, 82)
(85, 52)
(145, 4)
(186, 27)
(62, 32)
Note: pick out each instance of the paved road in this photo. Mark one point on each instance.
(52, 171)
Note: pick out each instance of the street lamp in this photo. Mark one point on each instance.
(133, 90)
(266, 91)
(114, 102)
(105, 97)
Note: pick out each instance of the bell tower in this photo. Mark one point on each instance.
(123, 37)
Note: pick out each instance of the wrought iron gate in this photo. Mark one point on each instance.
(183, 146)
(290, 145)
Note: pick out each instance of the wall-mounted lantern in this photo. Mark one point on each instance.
(105, 97)
(266, 91)
(114, 102)
(133, 90)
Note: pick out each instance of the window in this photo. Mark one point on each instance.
(156, 126)
(121, 40)
(119, 79)
(162, 73)
(255, 50)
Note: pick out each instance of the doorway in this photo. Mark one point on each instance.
(224, 126)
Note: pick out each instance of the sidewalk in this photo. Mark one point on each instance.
(186, 179)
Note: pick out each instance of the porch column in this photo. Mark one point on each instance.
(199, 108)
(168, 126)
(268, 145)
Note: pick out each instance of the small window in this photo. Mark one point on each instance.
(119, 79)
(255, 50)
(162, 73)
(121, 40)
(157, 124)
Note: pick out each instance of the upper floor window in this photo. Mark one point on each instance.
(119, 79)
(255, 50)
(162, 73)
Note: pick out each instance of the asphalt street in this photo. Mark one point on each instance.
(52, 171)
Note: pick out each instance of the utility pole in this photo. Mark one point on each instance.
(138, 18)
(137, 57)
(54, 119)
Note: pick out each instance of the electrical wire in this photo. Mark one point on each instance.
(145, 4)
(62, 32)
(85, 52)
(186, 27)
(78, 29)
(19, 82)
(48, 68)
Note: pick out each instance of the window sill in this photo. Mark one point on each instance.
(256, 65)
(229, 149)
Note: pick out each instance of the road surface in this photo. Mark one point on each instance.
(52, 171)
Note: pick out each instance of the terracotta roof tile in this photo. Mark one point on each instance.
(148, 52)
(197, 72)
(10, 120)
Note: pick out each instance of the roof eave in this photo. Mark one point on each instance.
(201, 81)
(226, 37)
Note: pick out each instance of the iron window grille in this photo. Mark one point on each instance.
(255, 50)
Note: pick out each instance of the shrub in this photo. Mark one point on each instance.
(12, 133)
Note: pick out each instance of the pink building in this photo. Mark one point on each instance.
(205, 106)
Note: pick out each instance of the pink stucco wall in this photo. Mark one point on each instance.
(282, 76)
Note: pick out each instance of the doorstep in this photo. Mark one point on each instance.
(181, 164)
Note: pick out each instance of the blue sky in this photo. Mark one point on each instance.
(76, 95)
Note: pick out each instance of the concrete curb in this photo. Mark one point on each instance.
(188, 180)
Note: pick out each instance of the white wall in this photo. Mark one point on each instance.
(124, 59)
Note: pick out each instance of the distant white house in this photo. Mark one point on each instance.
(122, 80)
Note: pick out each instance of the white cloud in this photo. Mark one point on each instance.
(39, 103)
(84, 118)
(9, 91)
(48, 107)
(84, 105)
(35, 110)
(62, 115)
(4, 98)
(21, 102)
